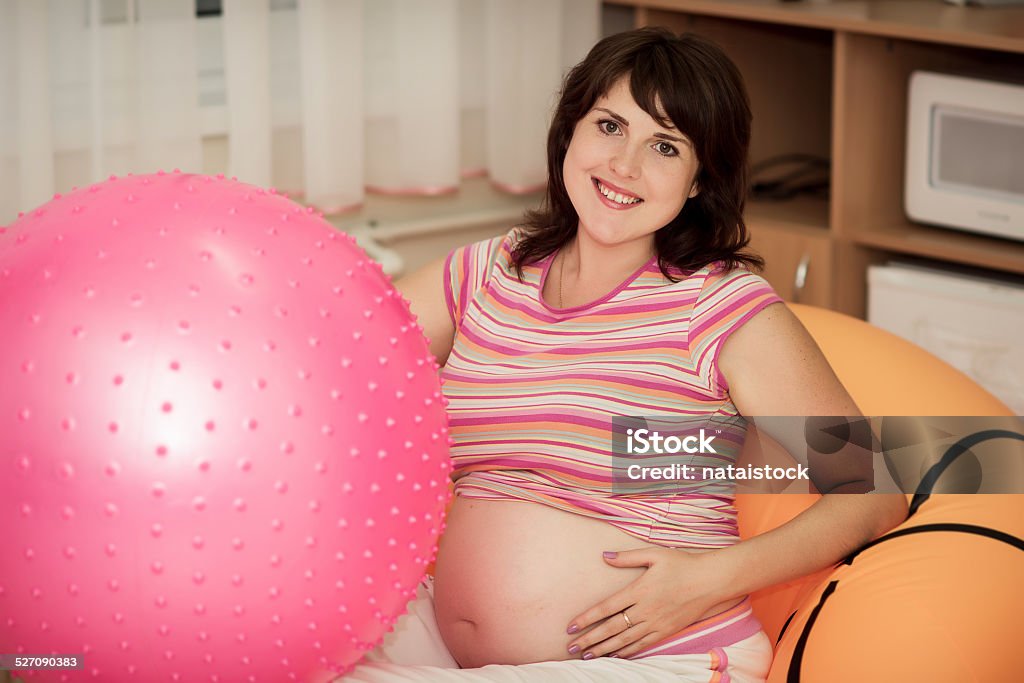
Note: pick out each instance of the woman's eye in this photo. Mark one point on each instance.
(666, 149)
(608, 127)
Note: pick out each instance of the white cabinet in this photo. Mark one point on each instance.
(974, 323)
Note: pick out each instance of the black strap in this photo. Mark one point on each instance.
(784, 627)
(793, 675)
(931, 477)
(985, 531)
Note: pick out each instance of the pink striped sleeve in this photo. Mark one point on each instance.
(727, 300)
(466, 271)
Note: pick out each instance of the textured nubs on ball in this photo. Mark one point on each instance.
(224, 451)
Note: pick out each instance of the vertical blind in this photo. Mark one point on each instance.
(327, 99)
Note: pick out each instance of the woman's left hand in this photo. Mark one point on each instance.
(675, 591)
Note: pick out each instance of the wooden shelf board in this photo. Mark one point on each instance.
(947, 245)
(926, 20)
(802, 214)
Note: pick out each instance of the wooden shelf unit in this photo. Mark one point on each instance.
(830, 79)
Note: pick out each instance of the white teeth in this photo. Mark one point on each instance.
(615, 196)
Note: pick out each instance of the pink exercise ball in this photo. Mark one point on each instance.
(224, 452)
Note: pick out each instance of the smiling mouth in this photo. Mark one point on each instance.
(617, 197)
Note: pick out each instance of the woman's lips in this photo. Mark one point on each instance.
(613, 194)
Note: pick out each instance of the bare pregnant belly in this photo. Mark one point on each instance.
(510, 576)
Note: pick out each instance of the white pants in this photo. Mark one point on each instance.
(413, 651)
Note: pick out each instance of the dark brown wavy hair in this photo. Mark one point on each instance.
(702, 94)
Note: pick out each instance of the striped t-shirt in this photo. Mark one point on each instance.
(532, 389)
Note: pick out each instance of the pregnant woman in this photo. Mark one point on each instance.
(628, 294)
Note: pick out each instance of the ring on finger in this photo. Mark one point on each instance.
(629, 624)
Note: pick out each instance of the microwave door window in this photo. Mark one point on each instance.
(978, 152)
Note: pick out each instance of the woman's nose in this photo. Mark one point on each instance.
(626, 162)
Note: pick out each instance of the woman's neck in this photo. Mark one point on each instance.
(589, 261)
(588, 271)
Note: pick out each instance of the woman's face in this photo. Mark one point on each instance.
(626, 175)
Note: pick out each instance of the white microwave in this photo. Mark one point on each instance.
(965, 154)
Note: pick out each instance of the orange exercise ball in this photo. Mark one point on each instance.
(937, 598)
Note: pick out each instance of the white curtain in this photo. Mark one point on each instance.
(327, 99)
(89, 89)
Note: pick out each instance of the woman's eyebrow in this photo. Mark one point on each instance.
(682, 141)
(612, 114)
(663, 136)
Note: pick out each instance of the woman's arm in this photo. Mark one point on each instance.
(773, 368)
(424, 290)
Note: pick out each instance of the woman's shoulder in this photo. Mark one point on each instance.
(472, 264)
(716, 275)
(720, 276)
(729, 296)
(486, 249)
(505, 242)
